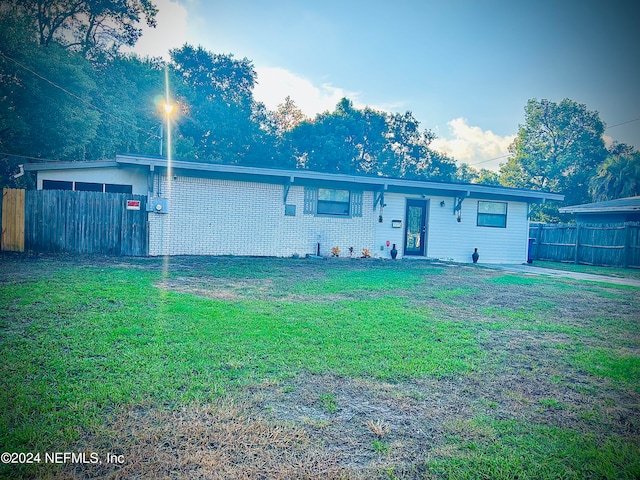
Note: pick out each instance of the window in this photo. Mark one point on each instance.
(492, 214)
(56, 185)
(113, 188)
(88, 187)
(333, 202)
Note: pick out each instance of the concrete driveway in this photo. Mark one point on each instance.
(532, 270)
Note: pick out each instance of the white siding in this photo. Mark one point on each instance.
(135, 177)
(448, 239)
(455, 240)
(394, 210)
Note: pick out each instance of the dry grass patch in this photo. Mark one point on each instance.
(378, 427)
(204, 442)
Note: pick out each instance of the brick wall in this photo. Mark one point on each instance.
(224, 217)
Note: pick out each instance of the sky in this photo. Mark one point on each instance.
(464, 68)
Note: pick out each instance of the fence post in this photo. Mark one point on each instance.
(575, 260)
(538, 240)
(627, 245)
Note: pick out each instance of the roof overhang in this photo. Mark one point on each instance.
(308, 177)
(576, 209)
(620, 205)
(36, 167)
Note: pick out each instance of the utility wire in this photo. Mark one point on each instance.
(120, 119)
(6, 155)
(622, 123)
(488, 160)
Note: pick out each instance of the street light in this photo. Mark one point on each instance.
(168, 109)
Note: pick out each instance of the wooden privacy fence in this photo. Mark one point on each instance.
(616, 245)
(77, 222)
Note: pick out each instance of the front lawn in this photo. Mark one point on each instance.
(283, 368)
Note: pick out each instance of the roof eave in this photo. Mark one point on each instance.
(34, 167)
(599, 210)
(381, 183)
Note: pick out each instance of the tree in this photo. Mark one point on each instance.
(278, 127)
(488, 177)
(214, 76)
(557, 149)
(85, 26)
(408, 154)
(221, 116)
(127, 88)
(45, 97)
(287, 116)
(618, 176)
(368, 141)
(57, 104)
(347, 140)
(467, 174)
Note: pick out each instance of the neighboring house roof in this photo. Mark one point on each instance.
(621, 205)
(304, 177)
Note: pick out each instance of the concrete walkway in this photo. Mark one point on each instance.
(532, 270)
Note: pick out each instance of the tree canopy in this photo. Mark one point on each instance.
(67, 93)
(557, 149)
(89, 27)
(618, 176)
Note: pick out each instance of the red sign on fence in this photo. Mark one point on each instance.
(133, 204)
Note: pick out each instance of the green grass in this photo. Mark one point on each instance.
(328, 402)
(378, 280)
(609, 271)
(552, 403)
(609, 364)
(513, 449)
(93, 339)
(380, 446)
(78, 343)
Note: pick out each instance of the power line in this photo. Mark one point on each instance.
(488, 160)
(120, 119)
(622, 123)
(6, 154)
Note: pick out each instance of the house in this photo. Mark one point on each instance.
(612, 211)
(213, 209)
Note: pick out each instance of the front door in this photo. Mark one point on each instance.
(416, 227)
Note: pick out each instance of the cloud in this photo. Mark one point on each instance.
(608, 141)
(473, 145)
(171, 31)
(275, 84)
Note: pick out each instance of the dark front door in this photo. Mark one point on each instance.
(416, 227)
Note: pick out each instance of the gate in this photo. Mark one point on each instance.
(13, 201)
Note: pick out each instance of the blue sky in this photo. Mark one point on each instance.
(464, 68)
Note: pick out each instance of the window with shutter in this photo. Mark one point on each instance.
(332, 202)
(310, 200)
(356, 204)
